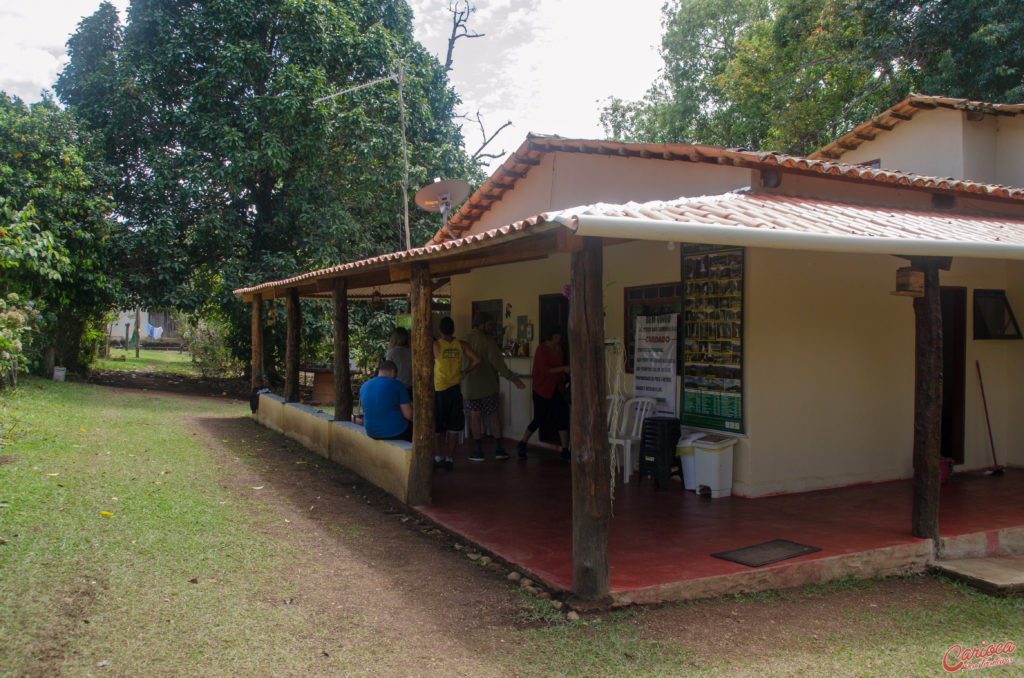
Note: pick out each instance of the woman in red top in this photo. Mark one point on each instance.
(548, 391)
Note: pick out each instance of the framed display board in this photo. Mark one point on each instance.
(712, 385)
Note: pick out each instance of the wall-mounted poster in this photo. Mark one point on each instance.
(712, 388)
(655, 373)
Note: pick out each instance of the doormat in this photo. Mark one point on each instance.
(769, 552)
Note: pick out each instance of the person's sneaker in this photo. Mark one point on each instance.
(477, 455)
(448, 465)
(521, 449)
(500, 454)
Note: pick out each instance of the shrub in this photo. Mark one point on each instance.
(17, 319)
(205, 337)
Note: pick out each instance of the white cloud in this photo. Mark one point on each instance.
(33, 37)
(546, 65)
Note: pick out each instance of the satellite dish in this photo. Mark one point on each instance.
(442, 196)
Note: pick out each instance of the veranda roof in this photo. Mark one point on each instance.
(745, 217)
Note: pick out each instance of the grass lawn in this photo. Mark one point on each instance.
(110, 505)
(127, 551)
(169, 362)
(820, 630)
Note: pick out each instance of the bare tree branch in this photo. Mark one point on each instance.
(460, 10)
(487, 139)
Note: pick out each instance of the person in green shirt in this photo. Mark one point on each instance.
(480, 387)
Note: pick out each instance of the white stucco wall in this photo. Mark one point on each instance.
(582, 179)
(944, 143)
(828, 351)
(981, 143)
(930, 143)
(1012, 452)
(1002, 366)
(828, 372)
(515, 284)
(564, 180)
(828, 358)
(529, 196)
(1009, 152)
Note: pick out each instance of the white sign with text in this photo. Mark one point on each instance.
(654, 371)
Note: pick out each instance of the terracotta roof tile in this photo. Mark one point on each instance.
(901, 112)
(746, 209)
(740, 209)
(381, 261)
(535, 145)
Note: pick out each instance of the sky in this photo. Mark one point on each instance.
(545, 65)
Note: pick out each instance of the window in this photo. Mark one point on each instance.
(993, 317)
(491, 307)
(658, 299)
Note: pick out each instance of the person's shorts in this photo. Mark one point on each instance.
(448, 414)
(404, 435)
(484, 405)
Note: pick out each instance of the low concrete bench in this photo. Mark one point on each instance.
(385, 463)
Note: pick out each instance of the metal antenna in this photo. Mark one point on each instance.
(400, 78)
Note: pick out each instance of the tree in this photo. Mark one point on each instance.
(971, 49)
(232, 173)
(799, 75)
(22, 245)
(689, 103)
(793, 75)
(56, 248)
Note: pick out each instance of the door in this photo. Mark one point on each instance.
(954, 366)
(554, 312)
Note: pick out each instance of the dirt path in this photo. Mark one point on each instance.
(374, 577)
(375, 581)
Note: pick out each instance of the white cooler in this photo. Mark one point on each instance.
(712, 457)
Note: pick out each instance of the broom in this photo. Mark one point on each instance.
(995, 469)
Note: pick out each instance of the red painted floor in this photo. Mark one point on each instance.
(521, 512)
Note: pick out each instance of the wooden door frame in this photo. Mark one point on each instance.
(955, 380)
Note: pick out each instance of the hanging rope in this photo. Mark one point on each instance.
(615, 383)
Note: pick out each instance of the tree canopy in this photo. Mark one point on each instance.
(55, 238)
(793, 75)
(232, 172)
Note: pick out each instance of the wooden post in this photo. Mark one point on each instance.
(291, 359)
(423, 440)
(342, 374)
(591, 488)
(258, 380)
(927, 399)
(138, 334)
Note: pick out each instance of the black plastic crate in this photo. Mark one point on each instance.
(658, 439)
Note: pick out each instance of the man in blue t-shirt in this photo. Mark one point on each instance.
(387, 411)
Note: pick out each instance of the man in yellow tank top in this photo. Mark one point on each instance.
(449, 356)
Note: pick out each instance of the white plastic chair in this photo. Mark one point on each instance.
(630, 428)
